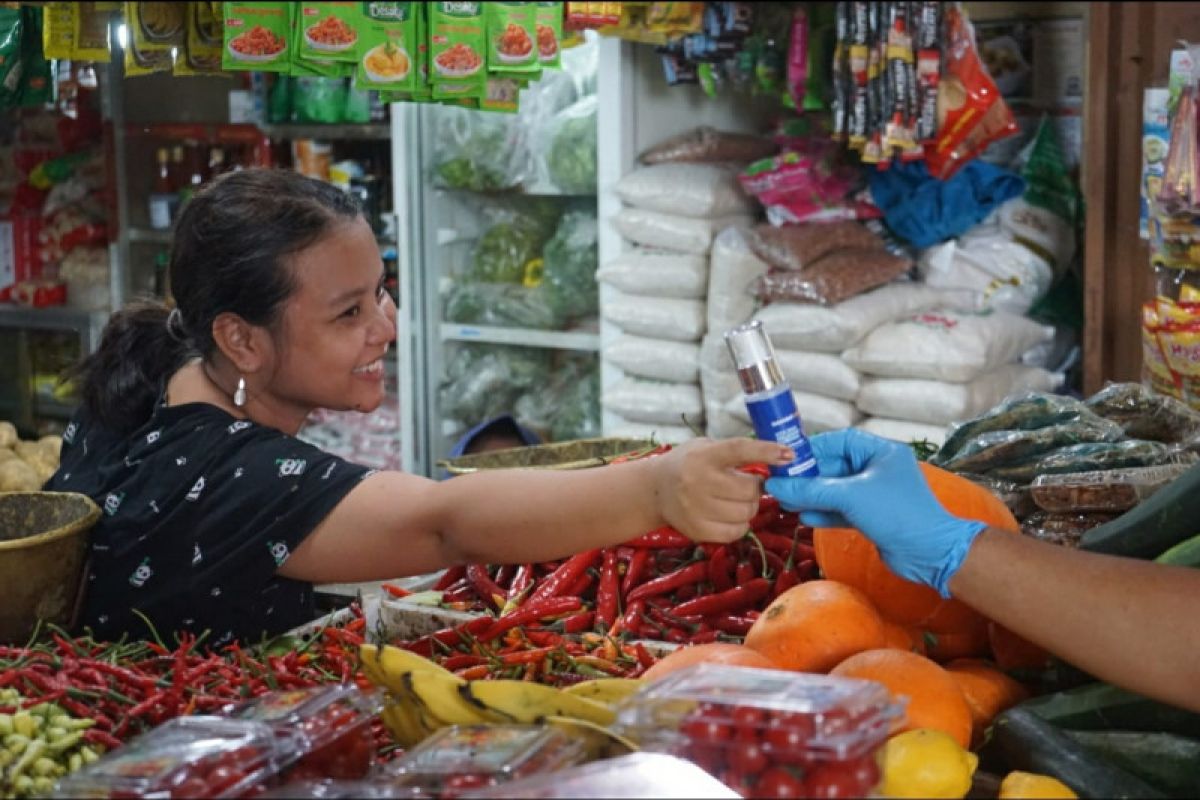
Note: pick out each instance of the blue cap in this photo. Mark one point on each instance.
(505, 422)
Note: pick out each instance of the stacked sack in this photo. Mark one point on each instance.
(657, 292)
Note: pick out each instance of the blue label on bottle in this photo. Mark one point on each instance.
(776, 419)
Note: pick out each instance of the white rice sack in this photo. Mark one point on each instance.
(946, 345)
(941, 403)
(661, 273)
(831, 329)
(904, 430)
(825, 374)
(1006, 274)
(656, 317)
(664, 434)
(817, 413)
(672, 231)
(689, 190)
(657, 359)
(733, 268)
(654, 402)
(720, 424)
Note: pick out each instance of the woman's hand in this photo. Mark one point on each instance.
(874, 485)
(701, 492)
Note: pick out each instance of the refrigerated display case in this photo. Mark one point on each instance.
(497, 308)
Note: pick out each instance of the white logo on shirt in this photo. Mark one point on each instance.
(216, 591)
(291, 466)
(141, 574)
(69, 433)
(113, 502)
(329, 471)
(240, 425)
(181, 460)
(154, 506)
(196, 556)
(194, 494)
(237, 473)
(279, 552)
(153, 436)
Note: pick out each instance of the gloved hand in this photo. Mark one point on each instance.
(874, 484)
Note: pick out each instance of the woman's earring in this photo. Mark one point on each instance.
(239, 396)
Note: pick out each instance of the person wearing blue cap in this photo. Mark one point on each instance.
(217, 517)
(1130, 622)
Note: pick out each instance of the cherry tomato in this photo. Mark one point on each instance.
(192, 787)
(778, 782)
(222, 777)
(748, 718)
(736, 781)
(706, 731)
(786, 739)
(833, 780)
(747, 757)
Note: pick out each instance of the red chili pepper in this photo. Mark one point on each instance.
(476, 673)
(562, 578)
(692, 573)
(96, 736)
(395, 591)
(768, 512)
(633, 613)
(531, 612)
(637, 566)
(504, 575)
(806, 570)
(745, 572)
(461, 661)
(704, 637)
(775, 562)
(669, 620)
(450, 577)
(719, 574)
(486, 588)
(732, 623)
(606, 594)
(581, 585)
(776, 543)
(661, 537)
(521, 581)
(686, 592)
(643, 655)
(784, 581)
(526, 656)
(739, 597)
(578, 623)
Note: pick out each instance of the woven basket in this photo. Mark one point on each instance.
(43, 543)
(577, 454)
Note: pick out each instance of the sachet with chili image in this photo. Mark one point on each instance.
(256, 36)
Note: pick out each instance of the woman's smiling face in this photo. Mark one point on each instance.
(336, 328)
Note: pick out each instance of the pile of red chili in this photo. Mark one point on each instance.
(660, 585)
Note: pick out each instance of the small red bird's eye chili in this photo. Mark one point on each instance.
(692, 573)
(529, 613)
(735, 599)
(606, 594)
(637, 567)
(450, 577)
(565, 576)
(661, 537)
(486, 588)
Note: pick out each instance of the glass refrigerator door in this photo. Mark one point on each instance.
(504, 272)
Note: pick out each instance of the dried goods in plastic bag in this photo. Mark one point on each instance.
(794, 247)
(656, 359)
(569, 267)
(655, 402)
(833, 278)
(660, 273)
(656, 317)
(732, 268)
(501, 304)
(943, 403)
(971, 112)
(990, 452)
(1102, 490)
(1021, 413)
(1145, 414)
(673, 231)
(946, 345)
(1014, 495)
(689, 190)
(708, 145)
(1064, 529)
(1087, 456)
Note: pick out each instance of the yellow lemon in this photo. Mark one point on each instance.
(1019, 784)
(926, 763)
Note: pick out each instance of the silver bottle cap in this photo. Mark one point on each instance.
(753, 357)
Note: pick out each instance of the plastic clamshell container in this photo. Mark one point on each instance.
(472, 756)
(200, 756)
(708, 712)
(1101, 490)
(322, 730)
(635, 775)
(337, 789)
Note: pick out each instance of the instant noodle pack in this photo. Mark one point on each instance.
(478, 55)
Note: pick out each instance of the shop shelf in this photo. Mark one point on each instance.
(150, 236)
(558, 340)
(381, 131)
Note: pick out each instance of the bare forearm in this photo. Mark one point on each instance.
(482, 518)
(1129, 622)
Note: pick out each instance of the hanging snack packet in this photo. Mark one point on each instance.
(389, 41)
(511, 33)
(36, 87)
(256, 36)
(929, 69)
(10, 56)
(422, 91)
(1180, 192)
(456, 49)
(971, 113)
(91, 32)
(202, 51)
(549, 20)
(329, 31)
(58, 30)
(154, 30)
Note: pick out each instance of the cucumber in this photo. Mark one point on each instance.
(1102, 706)
(1029, 743)
(1164, 520)
(1168, 762)
(1184, 554)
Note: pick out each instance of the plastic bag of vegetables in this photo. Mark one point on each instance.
(484, 380)
(479, 151)
(569, 267)
(506, 250)
(501, 304)
(571, 156)
(569, 406)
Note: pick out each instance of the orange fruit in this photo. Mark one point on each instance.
(903, 637)
(815, 625)
(987, 690)
(934, 698)
(711, 653)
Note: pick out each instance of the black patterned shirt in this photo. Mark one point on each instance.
(199, 510)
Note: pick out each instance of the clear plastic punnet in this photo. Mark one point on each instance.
(199, 756)
(377, 789)
(473, 756)
(803, 733)
(635, 775)
(321, 732)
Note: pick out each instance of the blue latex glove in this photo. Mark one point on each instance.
(874, 484)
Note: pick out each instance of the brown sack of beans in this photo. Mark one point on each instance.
(795, 247)
(837, 276)
(709, 145)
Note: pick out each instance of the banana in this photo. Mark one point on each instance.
(608, 691)
(439, 694)
(600, 742)
(395, 661)
(523, 701)
(404, 723)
